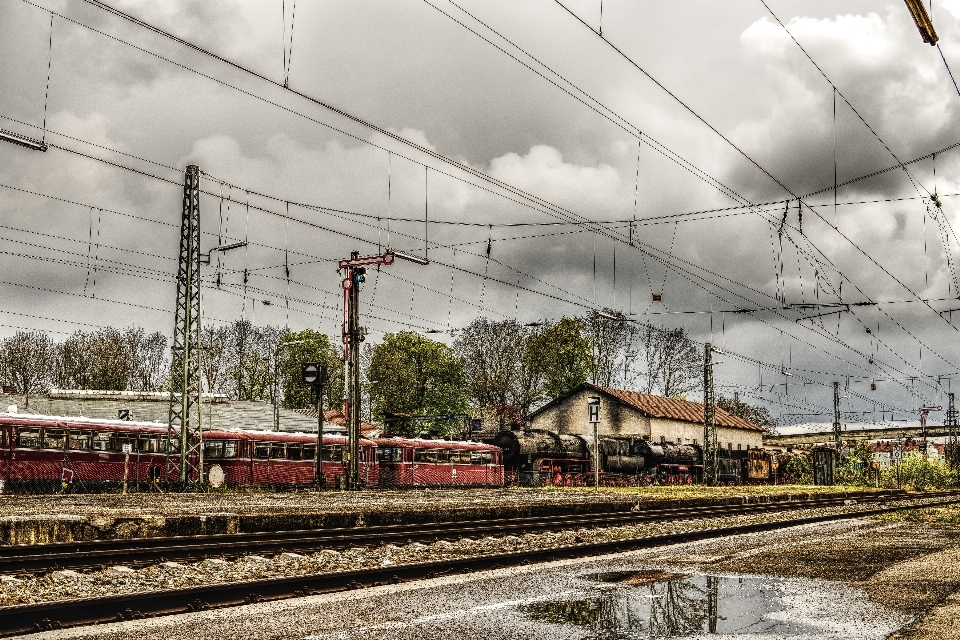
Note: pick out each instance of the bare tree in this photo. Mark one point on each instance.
(214, 358)
(613, 339)
(673, 361)
(25, 362)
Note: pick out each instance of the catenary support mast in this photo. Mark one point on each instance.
(710, 462)
(185, 431)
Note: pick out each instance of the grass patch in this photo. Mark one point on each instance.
(700, 491)
(946, 515)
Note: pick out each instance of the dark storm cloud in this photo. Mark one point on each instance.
(410, 69)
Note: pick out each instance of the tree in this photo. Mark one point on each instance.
(759, 416)
(111, 359)
(562, 354)
(25, 362)
(613, 341)
(308, 346)
(251, 351)
(674, 363)
(215, 357)
(413, 375)
(492, 353)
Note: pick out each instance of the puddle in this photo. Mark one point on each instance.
(658, 604)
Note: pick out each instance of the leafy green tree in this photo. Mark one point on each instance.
(562, 354)
(413, 375)
(309, 346)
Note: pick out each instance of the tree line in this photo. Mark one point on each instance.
(496, 370)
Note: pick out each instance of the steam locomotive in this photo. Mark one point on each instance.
(537, 457)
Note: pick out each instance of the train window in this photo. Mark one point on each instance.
(29, 438)
(169, 446)
(389, 454)
(261, 450)
(456, 457)
(102, 441)
(278, 450)
(294, 451)
(148, 444)
(54, 439)
(3, 437)
(486, 457)
(125, 439)
(220, 448)
(309, 452)
(332, 453)
(79, 440)
(443, 456)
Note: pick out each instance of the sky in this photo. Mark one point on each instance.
(537, 129)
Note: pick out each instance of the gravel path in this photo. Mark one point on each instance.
(61, 585)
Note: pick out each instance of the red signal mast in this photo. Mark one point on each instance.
(353, 335)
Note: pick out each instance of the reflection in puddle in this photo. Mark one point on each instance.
(656, 604)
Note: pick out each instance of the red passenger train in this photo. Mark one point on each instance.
(438, 463)
(40, 453)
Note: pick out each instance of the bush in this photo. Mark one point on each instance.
(799, 470)
(918, 472)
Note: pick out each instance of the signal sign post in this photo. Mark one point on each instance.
(593, 416)
(354, 269)
(314, 375)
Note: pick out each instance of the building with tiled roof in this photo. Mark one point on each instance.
(629, 413)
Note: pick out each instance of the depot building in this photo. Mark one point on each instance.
(634, 414)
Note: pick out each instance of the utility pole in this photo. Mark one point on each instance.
(924, 411)
(710, 445)
(952, 432)
(185, 416)
(353, 335)
(836, 419)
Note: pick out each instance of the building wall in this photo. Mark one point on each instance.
(692, 433)
(570, 417)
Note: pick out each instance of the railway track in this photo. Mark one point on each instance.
(141, 551)
(21, 619)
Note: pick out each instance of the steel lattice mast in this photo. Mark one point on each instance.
(185, 383)
(952, 430)
(710, 461)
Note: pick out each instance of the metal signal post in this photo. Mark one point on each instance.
(353, 335)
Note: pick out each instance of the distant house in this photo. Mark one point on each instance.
(629, 413)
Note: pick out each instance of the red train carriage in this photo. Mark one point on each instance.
(438, 463)
(282, 459)
(42, 452)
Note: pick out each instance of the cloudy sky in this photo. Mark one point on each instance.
(513, 125)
